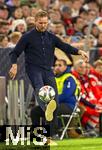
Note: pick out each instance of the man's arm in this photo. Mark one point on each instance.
(68, 49)
(19, 48)
(84, 55)
(21, 45)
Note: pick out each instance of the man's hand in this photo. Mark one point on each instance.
(13, 71)
(84, 55)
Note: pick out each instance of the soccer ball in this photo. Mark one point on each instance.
(46, 93)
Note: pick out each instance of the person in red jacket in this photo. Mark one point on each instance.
(98, 72)
(90, 117)
(93, 76)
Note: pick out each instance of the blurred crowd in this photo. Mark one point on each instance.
(78, 22)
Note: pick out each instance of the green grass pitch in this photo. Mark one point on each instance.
(68, 144)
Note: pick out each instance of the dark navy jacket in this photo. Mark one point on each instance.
(39, 48)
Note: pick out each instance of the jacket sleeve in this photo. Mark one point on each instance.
(68, 89)
(68, 49)
(87, 103)
(19, 48)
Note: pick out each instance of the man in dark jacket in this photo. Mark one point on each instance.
(38, 46)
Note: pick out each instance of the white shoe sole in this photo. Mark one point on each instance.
(50, 110)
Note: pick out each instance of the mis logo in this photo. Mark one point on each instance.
(24, 135)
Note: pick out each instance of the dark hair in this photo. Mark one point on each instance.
(62, 60)
(74, 19)
(83, 29)
(40, 14)
(82, 10)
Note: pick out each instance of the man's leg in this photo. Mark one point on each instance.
(38, 79)
(36, 114)
(35, 76)
(51, 109)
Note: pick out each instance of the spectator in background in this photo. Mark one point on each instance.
(76, 5)
(85, 29)
(33, 11)
(58, 28)
(91, 77)
(4, 27)
(99, 41)
(92, 15)
(26, 10)
(95, 31)
(14, 38)
(98, 68)
(54, 15)
(95, 54)
(65, 3)
(30, 23)
(78, 26)
(17, 13)
(91, 4)
(4, 13)
(98, 51)
(3, 41)
(66, 14)
(19, 25)
(12, 5)
(83, 13)
(92, 35)
(43, 4)
(90, 93)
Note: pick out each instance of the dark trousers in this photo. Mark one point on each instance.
(40, 77)
(64, 109)
(37, 113)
